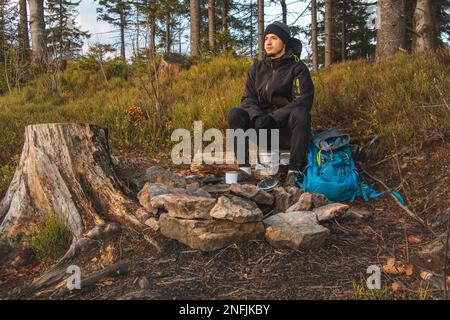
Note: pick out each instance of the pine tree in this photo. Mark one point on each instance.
(65, 38)
(117, 13)
(9, 47)
(351, 36)
(150, 14)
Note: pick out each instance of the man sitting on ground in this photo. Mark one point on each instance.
(278, 94)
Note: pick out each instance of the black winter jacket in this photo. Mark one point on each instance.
(276, 87)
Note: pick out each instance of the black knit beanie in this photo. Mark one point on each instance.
(280, 29)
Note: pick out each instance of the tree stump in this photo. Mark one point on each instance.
(66, 169)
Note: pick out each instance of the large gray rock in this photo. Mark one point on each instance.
(196, 190)
(157, 174)
(308, 201)
(152, 190)
(209, 235)
(330, 211)
(184, 206)
(295, 193)
(220, 188)
(282, 199)
(236, 209)
(253, 193)
(295, 230)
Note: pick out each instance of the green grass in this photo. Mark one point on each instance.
(51, 238)
(363, 98)
(385, 98)
(361, 292)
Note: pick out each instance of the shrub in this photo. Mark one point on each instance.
(51, 238)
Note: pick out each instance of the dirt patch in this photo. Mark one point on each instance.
(255, 270)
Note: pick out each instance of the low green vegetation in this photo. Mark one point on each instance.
(50, 238)
(397, 100)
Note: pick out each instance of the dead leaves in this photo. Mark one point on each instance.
(20, 271)
(396, 268)
(414, 239)
(397, 287)
(426, 275)
(393, 267)
(409, 270)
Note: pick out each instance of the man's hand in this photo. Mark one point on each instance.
(265, 122)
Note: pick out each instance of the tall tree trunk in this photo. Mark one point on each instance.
(284, 10)
(179, 34)
(260, 29)
(38, 33)
(138, 28)
(122, 37)
(168, 35)
(225, 9)
(343, 40)
(24, 40)
(315, 55)
(2, 37)
(424, 36)
(152, 33)
(211, 27)
(328, 32)
(251, 28)
(391, 34)
(61, 30)
(195, 27)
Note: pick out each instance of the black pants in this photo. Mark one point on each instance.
(294, 134)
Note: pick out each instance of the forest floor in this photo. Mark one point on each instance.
(255, 270)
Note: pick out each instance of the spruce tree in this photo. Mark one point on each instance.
(117, 13)
(65, 38)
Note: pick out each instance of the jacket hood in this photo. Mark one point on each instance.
(293, 49)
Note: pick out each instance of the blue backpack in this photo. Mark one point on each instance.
(331, 170)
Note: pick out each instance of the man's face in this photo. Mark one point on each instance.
(274, 46)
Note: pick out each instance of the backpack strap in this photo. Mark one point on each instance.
(369, 192)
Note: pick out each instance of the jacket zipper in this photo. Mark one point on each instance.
(268, 81)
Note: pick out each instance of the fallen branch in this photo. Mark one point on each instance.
(405, 208)
(117, 269)
(401, 152)
(92, 239)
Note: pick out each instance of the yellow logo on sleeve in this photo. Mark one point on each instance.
(297, 88)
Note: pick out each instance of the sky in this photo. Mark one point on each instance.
(104, 33)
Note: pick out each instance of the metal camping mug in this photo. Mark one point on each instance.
(270, 161)
(231, 177)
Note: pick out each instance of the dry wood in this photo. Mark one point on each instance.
(113, 270)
